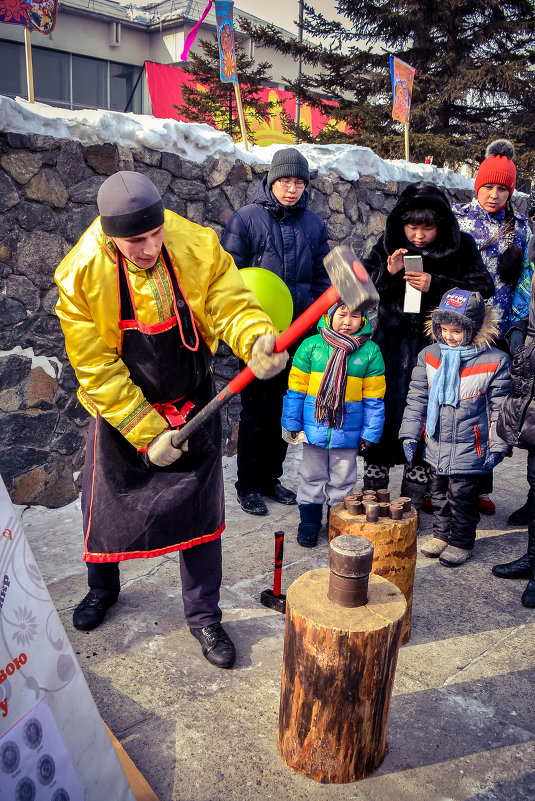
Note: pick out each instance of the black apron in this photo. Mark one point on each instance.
(130, 507)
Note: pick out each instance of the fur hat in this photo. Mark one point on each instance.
(498, 167)
(129, 204)
(459, 307)
(288, 163)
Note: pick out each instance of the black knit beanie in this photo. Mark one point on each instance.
(288, 163)
(129, 204)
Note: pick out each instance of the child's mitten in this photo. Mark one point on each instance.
(364, 447)
(494, 458)
(409, 449)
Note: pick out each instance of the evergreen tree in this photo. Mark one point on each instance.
(207, 99)
(473, 82)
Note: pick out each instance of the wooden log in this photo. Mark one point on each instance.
(337, 678)
(394, 549)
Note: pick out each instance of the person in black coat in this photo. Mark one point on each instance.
(278, 232)
(422, 223)
(516, 425)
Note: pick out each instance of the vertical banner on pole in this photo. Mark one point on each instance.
(402, 76)
(35, 15)
(228, 71)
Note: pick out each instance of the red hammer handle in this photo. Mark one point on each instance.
(279, 551)
(283, 341)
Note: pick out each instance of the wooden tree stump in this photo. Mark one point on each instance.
(394, 549)
(337, 678)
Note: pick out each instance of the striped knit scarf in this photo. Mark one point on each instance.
(330, 406)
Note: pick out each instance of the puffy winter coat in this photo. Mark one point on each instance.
(488, 230)
(88, 308)
(516, 422)
(465, 434)
(452, 260)
(365, 389)
(291, 241)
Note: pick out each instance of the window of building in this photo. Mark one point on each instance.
(123, 79)
(89, 82)
(70, 81)
(50, 76)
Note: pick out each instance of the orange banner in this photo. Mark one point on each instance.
(165, 88)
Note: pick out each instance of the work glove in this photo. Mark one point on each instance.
(493, 459)
(263, 362)
(160, 451)
(364, 447)
(409, 449)
(294, 437)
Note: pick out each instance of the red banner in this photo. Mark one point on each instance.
(165, 87)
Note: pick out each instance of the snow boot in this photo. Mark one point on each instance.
(414, 491)
(307, 532)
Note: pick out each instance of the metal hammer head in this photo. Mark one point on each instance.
(350, 279)
(272, 601)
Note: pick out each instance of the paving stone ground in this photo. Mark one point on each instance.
(461, 725)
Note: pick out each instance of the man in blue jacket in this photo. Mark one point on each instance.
(278, 232)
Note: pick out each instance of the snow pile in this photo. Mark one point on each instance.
(196, 142)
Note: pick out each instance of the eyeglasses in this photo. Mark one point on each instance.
(286, 182)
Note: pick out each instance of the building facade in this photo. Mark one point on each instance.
(94, 57)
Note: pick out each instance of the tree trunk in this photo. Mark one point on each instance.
(337, 678)
(394, 549)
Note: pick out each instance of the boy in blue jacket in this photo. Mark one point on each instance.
(455, 394)
(335, 395)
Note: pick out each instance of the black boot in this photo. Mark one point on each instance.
(307, 532)
(519, 568)
(528, 596)
(414, 491)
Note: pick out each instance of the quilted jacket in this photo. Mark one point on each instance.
(291, 241)
(365, 389)
(464, 434)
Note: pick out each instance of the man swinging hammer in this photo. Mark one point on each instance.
(144, 297)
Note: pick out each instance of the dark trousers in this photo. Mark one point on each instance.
(531, 495)
(261, 449)
(200, 572)
(455, 508)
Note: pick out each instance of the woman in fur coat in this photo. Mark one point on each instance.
(422, 223)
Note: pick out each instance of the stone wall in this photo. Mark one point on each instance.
(48, 190)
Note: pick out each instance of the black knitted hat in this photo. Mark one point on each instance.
(459, 307)
(288, 163)
(129, 204)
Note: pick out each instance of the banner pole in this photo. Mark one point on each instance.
(241, 115)
(29, 67)
(406, 141)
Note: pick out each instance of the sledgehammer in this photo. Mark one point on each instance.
(273, 598)
(350, 283)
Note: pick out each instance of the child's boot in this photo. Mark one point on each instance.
(307, 532)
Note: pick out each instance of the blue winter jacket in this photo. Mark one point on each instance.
(291, 241)
(364, 406)
(464, 434)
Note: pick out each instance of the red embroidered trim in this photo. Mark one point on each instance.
(120, 557)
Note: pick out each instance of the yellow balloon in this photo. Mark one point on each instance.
(272, 294)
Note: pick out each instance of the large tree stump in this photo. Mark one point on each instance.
(394, 549)
(337, 678)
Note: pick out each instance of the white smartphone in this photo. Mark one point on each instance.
(413, 297)
(413, 264)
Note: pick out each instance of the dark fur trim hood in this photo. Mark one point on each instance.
(423, 196)
(486, 336)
